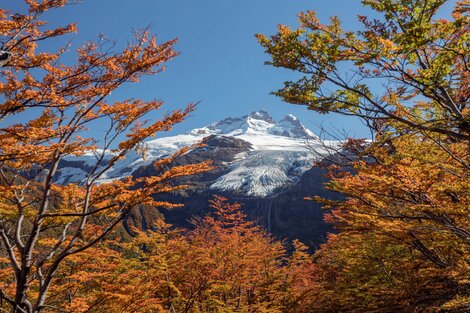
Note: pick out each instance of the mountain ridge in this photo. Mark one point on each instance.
(278, 156)
(266, 166)
(258, 122)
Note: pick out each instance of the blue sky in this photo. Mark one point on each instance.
(221, 63)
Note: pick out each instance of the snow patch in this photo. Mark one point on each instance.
(279, 157)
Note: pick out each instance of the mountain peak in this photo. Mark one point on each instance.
(291, 126)
(266, 155)
(257, 122)
(261, 115)
(290, 118)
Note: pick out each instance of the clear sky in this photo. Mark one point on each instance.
(221, 63)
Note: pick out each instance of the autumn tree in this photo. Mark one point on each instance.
(420, 60)
(235, 265)
(116, 276)
(46, 107)
(224, 264)
(403, 243)
(404, 231)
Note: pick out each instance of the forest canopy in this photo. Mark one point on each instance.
(402, 229)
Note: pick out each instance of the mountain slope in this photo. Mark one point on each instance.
(263, 164)
(278, 155)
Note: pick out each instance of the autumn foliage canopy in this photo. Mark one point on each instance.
(46, 108)
(402, 241)
(404, 229)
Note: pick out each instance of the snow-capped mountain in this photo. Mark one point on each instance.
(275, 154)
(264, 165)
(258, 123)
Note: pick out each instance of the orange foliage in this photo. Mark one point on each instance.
(404, 229)
(404, 233)
(224, 264)
(52, 105)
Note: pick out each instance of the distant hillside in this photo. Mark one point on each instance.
(263, 164)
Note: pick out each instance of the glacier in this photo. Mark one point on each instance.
(281, 152)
